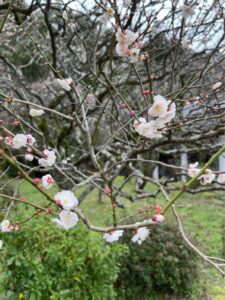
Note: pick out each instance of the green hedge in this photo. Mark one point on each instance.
(43, 262)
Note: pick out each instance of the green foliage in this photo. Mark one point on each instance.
(41, 261)
(163, 264)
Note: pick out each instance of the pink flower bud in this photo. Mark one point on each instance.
(48, 210)
(132, 113)
(1, 122)
(136, 124)
(147, 92)
(36, 181)
(158, 208)
(127, 18)
(158, 218)
(29, 139)
(58, 202)
(116, 26)
(108, 190)
(46, 153)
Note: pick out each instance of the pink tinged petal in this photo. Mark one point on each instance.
(68, 218)
(113, 236)
(58, 223)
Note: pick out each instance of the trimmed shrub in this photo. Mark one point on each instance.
(161, 265)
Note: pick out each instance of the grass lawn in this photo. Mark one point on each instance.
(203, 218)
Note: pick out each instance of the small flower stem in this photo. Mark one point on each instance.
(193, 179)
(148, 68)
(10, 198)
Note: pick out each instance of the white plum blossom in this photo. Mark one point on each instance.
(163, 110)
(159, 108)
(36, 112)
(193, 170)
(30, 139)
(141, 235)
(127, 45)
(47, 181)
(66, 199)
(65, 83)
(19, 140)
(221, 178)
(112, 236)
(67, 219)
(187, 11)
(167, 117)
(207, 177)
(137, 122)
(48, 160)
(5, 226)
(29, 157)
(148, 130)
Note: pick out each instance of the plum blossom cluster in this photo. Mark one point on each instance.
(163, 111)
(128, 45)
(207, 177)
(67, 219)
(48, 158)
(21, 140)
(141, 233)
(27, 140)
